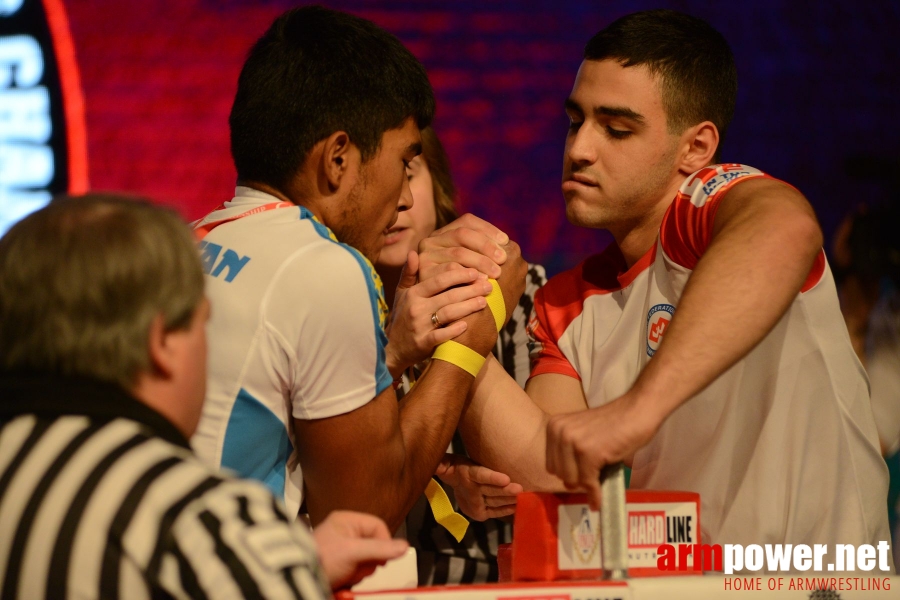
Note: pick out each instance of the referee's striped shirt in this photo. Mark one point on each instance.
(100, 497)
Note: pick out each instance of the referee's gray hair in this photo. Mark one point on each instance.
(82, 279)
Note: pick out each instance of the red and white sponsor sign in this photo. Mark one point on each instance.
(557, 536)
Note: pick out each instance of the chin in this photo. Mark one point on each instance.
(392, 257)
(582, 216)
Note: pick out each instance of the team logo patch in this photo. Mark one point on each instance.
(658, 320)
(585, 537)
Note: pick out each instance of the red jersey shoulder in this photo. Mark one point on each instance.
(562, 298)
(687, 226)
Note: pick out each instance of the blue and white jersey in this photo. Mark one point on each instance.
(296, 332)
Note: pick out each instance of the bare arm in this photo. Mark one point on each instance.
(504, 426)
(765, 238)
(378, 458)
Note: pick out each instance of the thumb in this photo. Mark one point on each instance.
(483, 475)
(410, 274)
(371, 550)
(446, 469)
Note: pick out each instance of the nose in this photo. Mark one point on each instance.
(406, 197)
(580, 146)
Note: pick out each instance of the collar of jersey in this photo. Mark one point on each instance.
(259, 197)
(54, 395)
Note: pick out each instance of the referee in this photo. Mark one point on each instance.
(102, 377)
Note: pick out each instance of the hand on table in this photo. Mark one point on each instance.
(580, 444)
(352, 544)
(480, 492)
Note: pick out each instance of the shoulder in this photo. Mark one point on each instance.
(598, 273)
(687, 227)
(711, 182)
(331, 276)
(561, 300)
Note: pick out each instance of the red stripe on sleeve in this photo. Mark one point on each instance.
(687, 226)
(815, 273)
(546, 357)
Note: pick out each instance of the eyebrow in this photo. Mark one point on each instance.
(619, 111)
(415, 149)
(608, 111)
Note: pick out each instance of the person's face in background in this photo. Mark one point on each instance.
(412, 225)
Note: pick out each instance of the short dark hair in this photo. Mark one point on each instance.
(314, 72)
(694, 64)
(82, 279)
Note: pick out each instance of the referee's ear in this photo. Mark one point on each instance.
(159, 347)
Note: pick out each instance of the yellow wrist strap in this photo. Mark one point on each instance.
(462, 356)
(471, 362)
(443, 511)
(496, 304)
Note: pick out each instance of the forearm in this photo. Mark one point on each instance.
(429, 414)
(505, 430)
(741, 287)
(380, 460)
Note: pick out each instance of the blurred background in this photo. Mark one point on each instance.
(147, 87)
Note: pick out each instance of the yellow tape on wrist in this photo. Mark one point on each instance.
(462, 356)
(443, 511)
(496, 304)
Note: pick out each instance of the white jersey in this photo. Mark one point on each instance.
(782, 447)
(296, 332)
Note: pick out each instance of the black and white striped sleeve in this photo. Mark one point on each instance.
(234, 541)
(512, 343)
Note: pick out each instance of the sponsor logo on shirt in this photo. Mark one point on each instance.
(705, 183)
(658, 320)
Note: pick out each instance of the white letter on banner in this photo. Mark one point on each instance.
(21, 60)
(25, 165)
(734, 558)
(25, 114)
(802, 557)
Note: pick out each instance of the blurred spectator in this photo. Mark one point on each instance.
(866, 255)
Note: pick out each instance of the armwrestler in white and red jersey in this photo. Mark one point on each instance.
(782, 445)
(704, 346)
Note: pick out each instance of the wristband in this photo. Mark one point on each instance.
(462, 356)
(496, 304)
(443, 511)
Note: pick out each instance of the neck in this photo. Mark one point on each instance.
(165, 400)
(637, 240)
(390, 277)
(292, 196)
(637, 237)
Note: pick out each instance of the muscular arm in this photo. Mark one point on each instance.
(765, 238)
(378, 458)
(504, 426)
